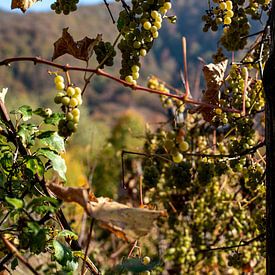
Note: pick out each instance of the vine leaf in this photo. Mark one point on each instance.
(134, 222)
(213, 75)
(82, 49)
(23, 5)
(52, 140)
(57, 162)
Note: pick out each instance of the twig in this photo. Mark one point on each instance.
(15, 252)
(242, 243)
(108, 8)
(87, 246)
(185, 71)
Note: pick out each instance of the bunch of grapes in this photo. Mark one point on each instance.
(234, 18)
(70, 98)
(105, 52)
(139, 27)
(65, 6)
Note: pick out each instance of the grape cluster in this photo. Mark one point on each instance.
(65, 6)
(105, 53)
(139, 27)
(70, 98)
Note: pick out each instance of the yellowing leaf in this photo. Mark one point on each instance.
(134, 222)
(22, 4)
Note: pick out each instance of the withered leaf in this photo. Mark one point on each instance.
(82, 49)
(129, 221)
(213, 75)
(22, 4)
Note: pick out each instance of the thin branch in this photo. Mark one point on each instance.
(242, 243)
(87, 246)
(185, 71)
(108, 8)
(65, 68)
(15, 252)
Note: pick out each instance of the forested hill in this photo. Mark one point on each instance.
(33, 34)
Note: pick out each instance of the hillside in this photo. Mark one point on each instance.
(34, 34)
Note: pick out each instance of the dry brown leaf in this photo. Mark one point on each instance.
(82, 49)
(134, 222)
(213, 75)
(22, 4)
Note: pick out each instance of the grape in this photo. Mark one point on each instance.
(146, 260)
(177, 157)
(66, 6)
(60, 85)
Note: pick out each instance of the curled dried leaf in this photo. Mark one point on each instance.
(128, 222)
(213, 75)
(22, 4)
(82, 49)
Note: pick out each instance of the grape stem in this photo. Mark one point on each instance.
(39, 60)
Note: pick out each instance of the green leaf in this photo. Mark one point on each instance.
(35, 165)
(26, 112)
(64, 256)
(59, 251)
(26, 133)
(43, 112)
(136, 265)
(57, 162)
(54, 118)
(68, 235)
(53, 141)
(16, 203)
(42, 205)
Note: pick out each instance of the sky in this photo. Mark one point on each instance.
(43, 5)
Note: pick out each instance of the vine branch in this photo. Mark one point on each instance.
(39, 60)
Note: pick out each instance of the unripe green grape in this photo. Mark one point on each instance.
(223, 6)
(177, 157)
(69, 116)
(70, 125)
(58, 78)
(227, 21)
(60, 85)
(137, 44)
(153, 29)
(167, 5)
(76, 119)
(65, 100)
(147, 25)
(157, 25)
(77, 91)
(158, 19)
(70, 91)
(57, 99)
(184, 146)
(229, 5)
(155, 34)
(75, 112)
(146, 260)
(163, 10)
(154, 14)
(135, 68)
(135, 75)
(143, 52)
(73, 102)
(229, 13)
(129, 79)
